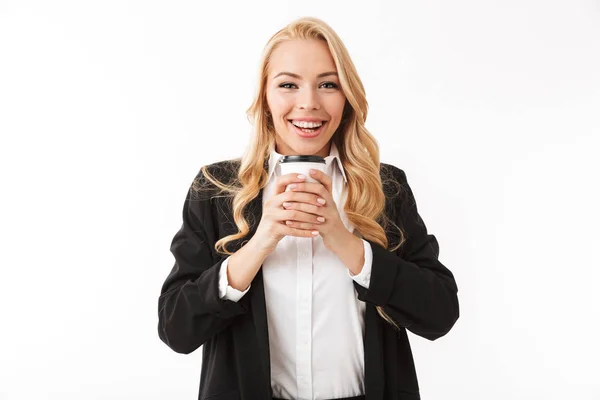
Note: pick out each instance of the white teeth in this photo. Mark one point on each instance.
(303, 124)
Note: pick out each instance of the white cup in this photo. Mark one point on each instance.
(302, 165)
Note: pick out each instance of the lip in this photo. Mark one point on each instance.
(306, 119)
(303, 134)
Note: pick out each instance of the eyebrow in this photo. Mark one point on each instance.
(299, 77)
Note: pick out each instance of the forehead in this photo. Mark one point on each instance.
(307, 58)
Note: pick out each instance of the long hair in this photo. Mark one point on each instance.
(359, 151)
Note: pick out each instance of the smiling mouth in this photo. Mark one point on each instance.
(308, 132)
(323, 122)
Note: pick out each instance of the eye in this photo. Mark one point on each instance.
(283, 85)
(334, 85)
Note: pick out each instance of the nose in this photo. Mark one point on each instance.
(309, 100)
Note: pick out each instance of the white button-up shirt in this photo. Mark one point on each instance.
(315, 320)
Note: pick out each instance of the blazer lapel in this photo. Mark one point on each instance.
(257, 294)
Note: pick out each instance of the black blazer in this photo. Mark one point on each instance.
(413, 287)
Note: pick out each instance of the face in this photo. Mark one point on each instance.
(302, 83)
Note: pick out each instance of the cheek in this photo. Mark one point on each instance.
(335, 106)
(280, 106)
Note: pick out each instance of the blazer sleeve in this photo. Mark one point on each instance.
(414, 288)
(190, 310)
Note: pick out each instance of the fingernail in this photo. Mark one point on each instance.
(312, 171)
(320, 219)
(320, 200)
(292, 186)
(301, 176)
(315, 233)
(286, 204)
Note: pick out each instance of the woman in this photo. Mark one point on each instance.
(281, 316)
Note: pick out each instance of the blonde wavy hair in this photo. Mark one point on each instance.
(358, 149)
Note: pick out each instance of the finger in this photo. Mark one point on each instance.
(303, 197)
(301, 216)
(295, 231)
(281, 182)
(302, 225)
(310, 187)
(322, 177)
(302, 232)
(317, 211)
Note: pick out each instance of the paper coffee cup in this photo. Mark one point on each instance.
(301, 165)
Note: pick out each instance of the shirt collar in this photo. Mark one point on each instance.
(333, 155)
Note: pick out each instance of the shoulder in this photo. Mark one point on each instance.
(211, 178)
(393, 181)
(221, 169)
(392, 172)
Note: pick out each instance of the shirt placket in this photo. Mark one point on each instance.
(304, 318)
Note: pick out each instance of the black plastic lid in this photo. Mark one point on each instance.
(311, 158)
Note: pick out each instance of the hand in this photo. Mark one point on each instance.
(332, 229)
(272, 227)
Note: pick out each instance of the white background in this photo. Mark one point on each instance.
(108, 109)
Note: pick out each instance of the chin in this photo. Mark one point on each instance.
(307, 149)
